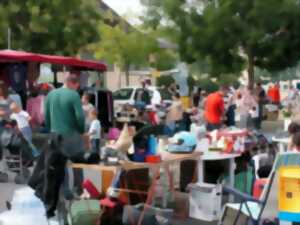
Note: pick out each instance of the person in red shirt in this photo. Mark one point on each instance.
(276, 99)
(274, 93)
(271, 93)
(214, 110)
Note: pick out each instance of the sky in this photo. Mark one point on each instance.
(125, 7)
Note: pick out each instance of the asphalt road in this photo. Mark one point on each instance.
(6, 193)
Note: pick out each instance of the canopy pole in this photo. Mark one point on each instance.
(8, 38)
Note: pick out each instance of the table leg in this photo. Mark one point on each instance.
(200, 171)
(231, 177)
(151, 193)
(281, 148)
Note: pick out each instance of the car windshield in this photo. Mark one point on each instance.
(123, 94)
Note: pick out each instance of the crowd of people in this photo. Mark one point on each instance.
(33, 116)
(75, 128)
(242, 107)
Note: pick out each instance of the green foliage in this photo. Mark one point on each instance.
(232, 35)
(228, 80)
(132, 49)
(122, 48)
(164, 60)
(164, 81)
(53, 27)
(208, 85)
(286, 114)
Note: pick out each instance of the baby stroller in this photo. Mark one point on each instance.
(15, 154)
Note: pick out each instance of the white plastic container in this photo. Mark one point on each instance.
(205, 201)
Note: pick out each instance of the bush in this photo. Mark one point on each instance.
(207, 85)
(164, 81)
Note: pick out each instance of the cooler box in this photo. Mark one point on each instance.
(272, 112)
(289, 194)
(205, 201)
(272, 116)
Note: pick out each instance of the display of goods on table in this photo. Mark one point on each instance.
(228, 141)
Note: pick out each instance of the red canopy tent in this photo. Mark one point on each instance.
(20, 56)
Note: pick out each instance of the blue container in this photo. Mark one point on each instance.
(139, 155)
(152, 145)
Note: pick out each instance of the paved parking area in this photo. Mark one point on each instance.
(6, 192)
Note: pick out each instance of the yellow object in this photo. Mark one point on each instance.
(186, 102)
(289, 189)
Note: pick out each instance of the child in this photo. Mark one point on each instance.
(94, 131)
(87, 108)
(22, 118)
(86, 105)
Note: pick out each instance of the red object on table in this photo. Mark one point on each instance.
(153, 159)
(229, 146)
(91, 189)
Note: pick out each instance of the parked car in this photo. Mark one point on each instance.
(128, 95)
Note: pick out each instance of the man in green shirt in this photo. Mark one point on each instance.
(64, 117)
(63, 109)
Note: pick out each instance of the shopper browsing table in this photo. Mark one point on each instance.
(64, 117)
(214, 110)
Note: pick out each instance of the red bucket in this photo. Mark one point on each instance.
(153, 159)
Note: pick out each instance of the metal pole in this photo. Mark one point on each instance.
(9, 38)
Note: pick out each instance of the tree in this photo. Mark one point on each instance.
(164, 59)
(128, 49)
(53, 27)
(232, 35)
(164, 81)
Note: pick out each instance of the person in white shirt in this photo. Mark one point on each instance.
(22, 119)
(245, 103)
(94, 131)
(291, 99)
(254, 114)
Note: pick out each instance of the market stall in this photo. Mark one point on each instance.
(20, 71)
